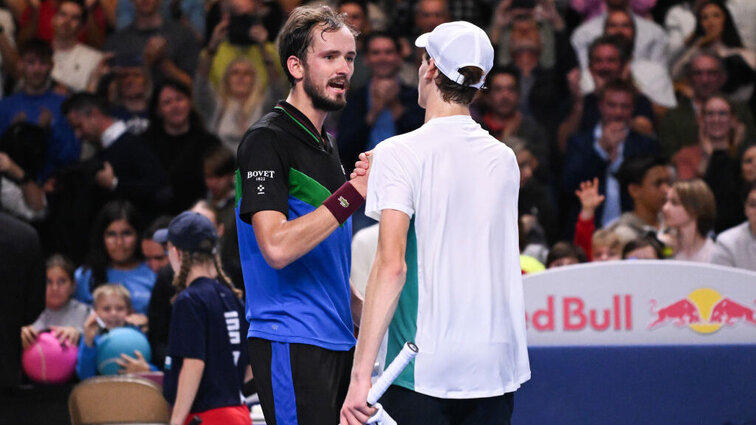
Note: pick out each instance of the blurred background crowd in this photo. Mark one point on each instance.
(632, 122)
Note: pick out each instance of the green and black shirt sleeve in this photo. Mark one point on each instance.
(263, 174)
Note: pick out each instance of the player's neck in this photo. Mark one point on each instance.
(300, 100)
(436, 108)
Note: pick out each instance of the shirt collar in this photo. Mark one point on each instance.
(319, 136)
(112, 133)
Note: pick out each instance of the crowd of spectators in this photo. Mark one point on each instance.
(632, 122)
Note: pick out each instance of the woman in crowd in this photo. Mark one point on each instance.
(689, 213)
(114, 257)
(716, 31)
(715, 159)
(180, 140)
(240, 100)
(720, 133)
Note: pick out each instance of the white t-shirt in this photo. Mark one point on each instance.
(462, 302)
(74, 66)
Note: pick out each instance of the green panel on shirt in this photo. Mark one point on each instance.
(403, 326)
(306, 189)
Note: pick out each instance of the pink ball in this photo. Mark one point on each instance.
(48, 362)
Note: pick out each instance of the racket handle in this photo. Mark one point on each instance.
(409, 351)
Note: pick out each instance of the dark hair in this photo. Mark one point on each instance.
(643, 242)
(81, 5)
(563, 250)
(296, 35)
(707, 54)
(220, 160)
(632, 21)
(161, 222)
(97, 260)
(506, 70)
(617, 86)
(156, 121)
(84, 103)
(730, 35)
(36, 47)
(634, 170)
(623, 46)
(360, 3)
(382, 34)
(750, 188)
(60, 260)
(452, 91)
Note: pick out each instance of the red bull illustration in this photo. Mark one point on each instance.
(683, 312)
(704, 311)
(728, 311)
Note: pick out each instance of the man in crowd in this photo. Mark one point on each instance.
(74, 62)
(37, 103)
(600, 151)
(294, 229)
(130, 169)
(609, 60)
(651, 42)
(168, 49)
(652, 78)
(503, 119)
(383, 108)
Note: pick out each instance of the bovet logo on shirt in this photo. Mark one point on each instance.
(261, 175)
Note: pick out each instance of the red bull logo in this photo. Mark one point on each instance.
(704, 311)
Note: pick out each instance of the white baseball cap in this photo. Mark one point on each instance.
(458, 44)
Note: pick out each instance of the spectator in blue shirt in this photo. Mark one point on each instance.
(37, 103)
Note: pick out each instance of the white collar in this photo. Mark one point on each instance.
(112, 133)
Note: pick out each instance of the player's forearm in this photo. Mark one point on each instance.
(382, 295)
(284, 241)
(188, 384)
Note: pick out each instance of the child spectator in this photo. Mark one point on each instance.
(207, 359)
(112, 307)
(565, 254)
(64, 315)
(643, 248)
(605, 246)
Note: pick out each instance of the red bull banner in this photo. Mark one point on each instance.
(641, 302)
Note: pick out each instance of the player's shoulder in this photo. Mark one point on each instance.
(267, 130)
